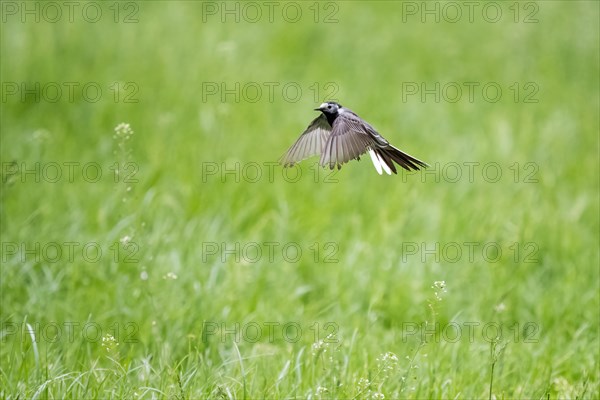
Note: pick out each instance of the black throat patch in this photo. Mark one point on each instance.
(331, 117)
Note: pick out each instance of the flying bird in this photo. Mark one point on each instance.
(338, 135)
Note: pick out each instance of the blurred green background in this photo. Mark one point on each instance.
(140, 265)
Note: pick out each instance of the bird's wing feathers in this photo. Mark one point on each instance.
(350, 138)
(311, 142)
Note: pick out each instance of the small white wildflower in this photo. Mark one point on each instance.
(317, 347)
(125, 240)
(109, 342)
(123, 130)
(500, 307)
(388, 357)
(170, 275)
(439, 284)
(387, 363)
(144, 275)
(363, 383)
(323, 345)
(363, 387)
(321, 390)
(378, 396)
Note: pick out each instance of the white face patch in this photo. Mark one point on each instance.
(323, 105)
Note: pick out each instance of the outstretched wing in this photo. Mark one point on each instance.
(350, 138)
(311, 142)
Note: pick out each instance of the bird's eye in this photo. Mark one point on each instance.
(329, 106)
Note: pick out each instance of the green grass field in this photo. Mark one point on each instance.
(179, 261)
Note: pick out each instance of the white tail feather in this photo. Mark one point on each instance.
(376, 161)
(384, 165)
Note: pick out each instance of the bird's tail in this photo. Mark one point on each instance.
(390, 154)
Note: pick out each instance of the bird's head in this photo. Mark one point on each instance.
(329, 108)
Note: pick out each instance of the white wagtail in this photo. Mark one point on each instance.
(338, 135)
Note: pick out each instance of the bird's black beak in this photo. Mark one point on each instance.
(318, 109)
